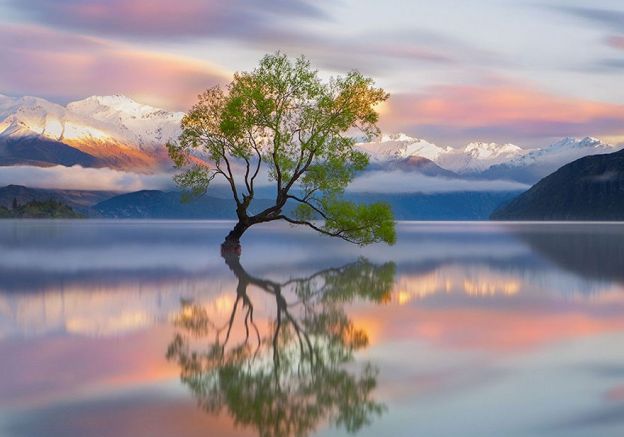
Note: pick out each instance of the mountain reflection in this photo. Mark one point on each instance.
(285, 377)
(593, 251)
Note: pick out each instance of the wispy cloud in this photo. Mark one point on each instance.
(612, 18)
(368, 53)
(64, 66)
(106, 179)
(427, 54)
(165, 19)
(499, 112)
(609, 65)
(616, 41)
(263, 25)
(79, 178)
(407, 182)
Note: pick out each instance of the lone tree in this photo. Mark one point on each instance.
(281, 122)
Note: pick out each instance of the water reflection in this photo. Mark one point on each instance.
(593, 251)
(518, 322)
(290, 375)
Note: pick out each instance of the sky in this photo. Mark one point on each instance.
(521, 71)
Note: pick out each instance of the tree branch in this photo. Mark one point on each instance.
(257, 149)
(339, 234)
(230, 176)
(306, 202)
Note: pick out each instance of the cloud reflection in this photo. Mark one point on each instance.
(465, 301)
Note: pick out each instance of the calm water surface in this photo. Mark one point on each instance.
(143, 329)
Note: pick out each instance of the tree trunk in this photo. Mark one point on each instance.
(232, 240)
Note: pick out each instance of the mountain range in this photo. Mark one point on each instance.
(156, 204)
(467, 182)
(100, 131)
(490, 161)
(120, 133)
(80, 200)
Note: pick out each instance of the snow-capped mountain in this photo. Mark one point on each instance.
(480, 156)
(400, 146)
(118, 132)
(112, 131)
(141, 125)
(473, 158)
(538, 163)
(485, 160)
(563, 151)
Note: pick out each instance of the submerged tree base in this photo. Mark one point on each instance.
(231, 244)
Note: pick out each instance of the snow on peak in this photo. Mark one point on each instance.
(576, 143)
(479, 156)
(401, 146)
(396, 137)
(117, 119)
(103, 107)
(479, 150)
(29, 115)
(129, 121)
(565, 150)
(476, 156)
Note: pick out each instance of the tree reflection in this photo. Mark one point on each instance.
(286, 376)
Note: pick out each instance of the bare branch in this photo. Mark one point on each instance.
(259, 155)
(230, 175)
(231, 321)
(247, 164)
(339, 234)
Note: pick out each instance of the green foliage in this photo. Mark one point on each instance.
(358, 222)
(282, 117)
(197, 178)
(40, 209)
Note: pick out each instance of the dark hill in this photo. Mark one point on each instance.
(40, 151)
(590, 188)
(168, 205)
(471, 205)
(218, 205)
(77, 199)
(44, 209)
(416, 164)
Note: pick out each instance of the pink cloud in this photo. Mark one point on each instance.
(48, 63)
(616, 42)
(498, 330)
(500, 110)
(166, 18)
(615, 394)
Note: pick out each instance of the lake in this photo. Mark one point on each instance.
(474, 329)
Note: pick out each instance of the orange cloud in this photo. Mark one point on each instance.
(500, 110)
(486, 328)
(53, 64)
(53, 368)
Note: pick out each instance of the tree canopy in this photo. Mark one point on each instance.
(282, 124)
